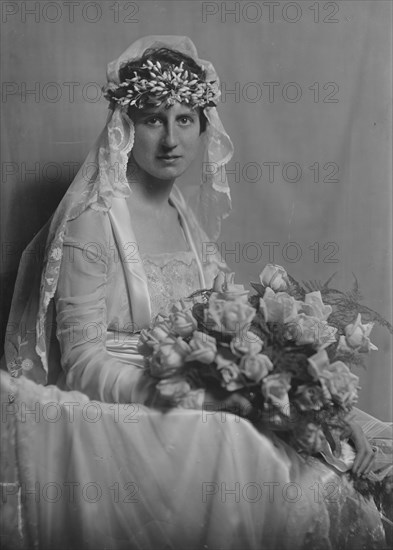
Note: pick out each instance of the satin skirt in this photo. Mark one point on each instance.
(81, 474)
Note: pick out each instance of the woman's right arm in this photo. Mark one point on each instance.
(81, 316)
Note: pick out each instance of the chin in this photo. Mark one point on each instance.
(168, 172)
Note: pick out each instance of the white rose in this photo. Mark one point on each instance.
(219, 281)
(275, 389)
(357, 336)
(173, 390)
(313, 306)
(275, 277)
(228, 316)
(246, 343)
(149, 338)
(224, 285)
(169, 357)
(278, 308)
(204, 348)
(231, 379)
(256, 367)
(311, 330)
(183, 322)
(195, 399)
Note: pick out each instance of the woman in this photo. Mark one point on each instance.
(122, 247)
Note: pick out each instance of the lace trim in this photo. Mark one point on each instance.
(162, 259)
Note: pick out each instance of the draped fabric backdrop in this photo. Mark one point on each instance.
(306, 89)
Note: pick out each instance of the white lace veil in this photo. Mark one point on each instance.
(31, 326)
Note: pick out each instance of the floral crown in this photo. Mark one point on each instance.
(152, 85)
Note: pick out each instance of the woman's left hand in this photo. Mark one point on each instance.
(364, 453)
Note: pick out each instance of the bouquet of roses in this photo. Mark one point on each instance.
(284, 351)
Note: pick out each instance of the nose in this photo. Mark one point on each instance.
(170, 137)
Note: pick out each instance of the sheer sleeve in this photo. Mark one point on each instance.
(81, 309)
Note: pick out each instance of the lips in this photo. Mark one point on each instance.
(169, 157)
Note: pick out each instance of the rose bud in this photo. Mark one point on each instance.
(275, 277)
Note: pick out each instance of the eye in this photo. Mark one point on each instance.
(153, 121)
(186, 120)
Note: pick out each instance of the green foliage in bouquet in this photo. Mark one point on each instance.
(346, 307)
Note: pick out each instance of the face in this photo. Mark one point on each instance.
(166, 140)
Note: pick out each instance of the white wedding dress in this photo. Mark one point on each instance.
(96, 466)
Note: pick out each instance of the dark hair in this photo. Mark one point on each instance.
(168, 59)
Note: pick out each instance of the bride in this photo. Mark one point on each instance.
(92, 460)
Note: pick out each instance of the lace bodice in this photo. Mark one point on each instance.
(170, 276)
